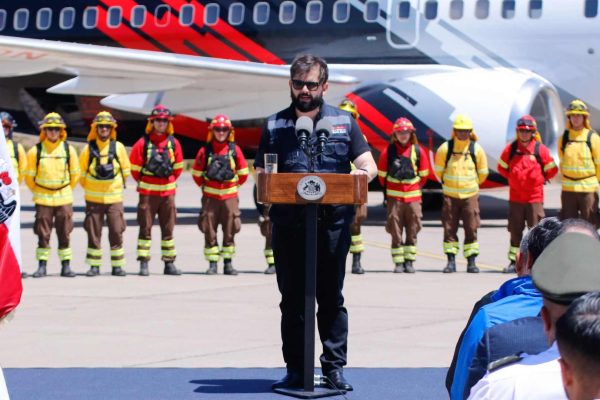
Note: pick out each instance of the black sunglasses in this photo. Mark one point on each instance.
(221, 129)
(161, 119)
(104, 126)
(299, 84)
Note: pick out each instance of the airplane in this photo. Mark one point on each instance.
(427, 60)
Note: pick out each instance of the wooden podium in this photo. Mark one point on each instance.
(311, 189)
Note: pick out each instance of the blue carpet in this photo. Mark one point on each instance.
(208, 383)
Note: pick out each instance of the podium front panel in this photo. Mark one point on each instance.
(280, 188)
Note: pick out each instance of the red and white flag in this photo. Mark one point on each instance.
(10, 235)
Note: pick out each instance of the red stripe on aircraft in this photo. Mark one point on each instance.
(371, 114)
(123, 35)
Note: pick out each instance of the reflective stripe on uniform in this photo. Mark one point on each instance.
(143, 248)
(471, 249)
(167, 248)
(410, 253)
(451, 247)
(397, 255)
(512, 253)
(211, 253)
(357, 245)
(42, 253)
(93, 257)
(65, 254)
(117, 257)
(269, 256)
(227, 252)
(219, 192)
(157, 188)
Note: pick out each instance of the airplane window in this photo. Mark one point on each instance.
(2, 19)
(456, 9)
(236, 13)
(90, 17)
(508, 9)
(44, 19)
(431, 8)
(287, 12)
(482, 9)
(371, 11)
(591, 8)
(261, 13)
(162, 15)
(138, 16)
(535, 9)
(341, 11)
(314, 12)
(404, 10)
(212, 12)
(66, 20)
(21, 19)
(113, 18)
(186, 14)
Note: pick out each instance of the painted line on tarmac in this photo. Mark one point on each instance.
(435, 256)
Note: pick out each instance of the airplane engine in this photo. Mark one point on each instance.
(493, 98)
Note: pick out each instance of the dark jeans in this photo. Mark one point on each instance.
(332, 318)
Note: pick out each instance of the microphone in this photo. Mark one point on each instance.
(323, 130)
(304, 127)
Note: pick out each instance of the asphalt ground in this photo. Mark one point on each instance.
(200, 321)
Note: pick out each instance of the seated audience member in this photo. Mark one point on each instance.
(531, 247)
(503, 307)
(565, 270)
(578, 339)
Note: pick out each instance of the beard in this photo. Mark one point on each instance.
(304, 104)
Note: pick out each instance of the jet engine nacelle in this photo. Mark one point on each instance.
(493, 98)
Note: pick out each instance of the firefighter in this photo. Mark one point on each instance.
(52, 173)
(156, 163)
(527, 164)
(104, 169)
(266, 229)
(360, 212)
(461, 166)
(219, 169)
(15, 150)
(402, 170)
(579, 157)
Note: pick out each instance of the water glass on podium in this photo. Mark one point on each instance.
(271, 163)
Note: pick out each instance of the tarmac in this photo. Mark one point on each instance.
(200, 321)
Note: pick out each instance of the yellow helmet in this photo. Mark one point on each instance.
(577, 107)
(53, 120)
(463, 122)
(348, 105)
(103, 118)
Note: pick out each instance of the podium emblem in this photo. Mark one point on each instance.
(311, 187)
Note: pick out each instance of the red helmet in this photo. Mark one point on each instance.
(403, 124)
(527, 123)
(221, 121)
(160, 111)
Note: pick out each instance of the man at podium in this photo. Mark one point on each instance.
(345, 144)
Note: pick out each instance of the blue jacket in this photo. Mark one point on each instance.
(525, 301)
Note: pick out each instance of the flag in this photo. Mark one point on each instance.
(11, 287)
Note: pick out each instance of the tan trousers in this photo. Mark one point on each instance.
(360, 214)
(148, 208)
(580, 205)
(455, 210)
(403, 216)
(95, 214)
(217, 212)
(45, 218)
(518, 215)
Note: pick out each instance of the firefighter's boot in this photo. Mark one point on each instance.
(66, 269)
(451, 265)
(41, 271)
(228, 268)
(356, 267)
(471, 267)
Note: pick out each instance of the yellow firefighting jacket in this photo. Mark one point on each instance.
(19, 162)
(579, 163)
(104, 191)
(52, 181)
(461, 177)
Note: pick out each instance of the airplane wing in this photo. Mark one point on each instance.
(134, 80)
